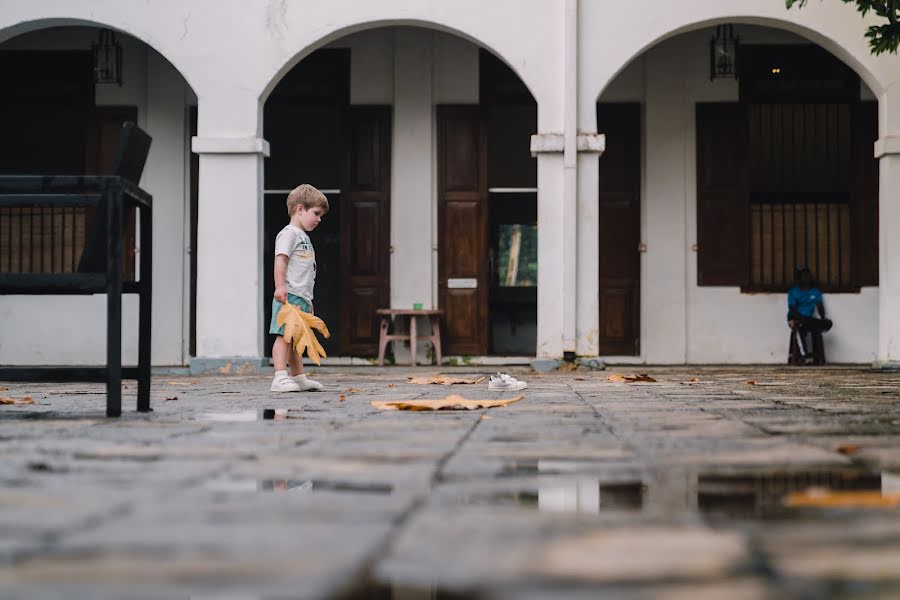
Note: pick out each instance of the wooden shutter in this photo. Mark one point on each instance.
(723, 195)
(620, 229)
(462, 216)
(864, 193)
(365, 227)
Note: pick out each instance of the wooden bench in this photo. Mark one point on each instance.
(99, 270)
(434, 319)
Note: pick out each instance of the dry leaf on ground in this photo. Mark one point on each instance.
(620, 378)
(751, 382)
(298, 331)
(451, 402)
(3, 389)
(579, 379)
(848, 448)
(8, 400)
(392, 385)
(352, 390)
(443, 380)
(172, 398)
(567, 367)
(824, 498)
(342, 397)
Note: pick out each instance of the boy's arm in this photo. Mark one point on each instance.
(281, 261)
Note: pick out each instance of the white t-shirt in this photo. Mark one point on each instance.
(294, 243)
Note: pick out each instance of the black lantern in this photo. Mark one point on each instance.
(107, 55)
(723, 51)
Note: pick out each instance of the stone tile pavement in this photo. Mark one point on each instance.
(586, 488)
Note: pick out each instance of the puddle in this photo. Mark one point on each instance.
(263, 414)
(770, 494)
(551, 466)
(296, 485)
(584, 496)
(371, 589)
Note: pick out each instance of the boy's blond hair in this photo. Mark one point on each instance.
(307, 196)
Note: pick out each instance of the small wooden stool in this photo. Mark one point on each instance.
(434, 318)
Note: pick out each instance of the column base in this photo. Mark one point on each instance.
(886, 365)
(233, 365)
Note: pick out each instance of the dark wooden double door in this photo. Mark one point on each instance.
(463, 229)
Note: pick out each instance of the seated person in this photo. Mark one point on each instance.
(803, 300)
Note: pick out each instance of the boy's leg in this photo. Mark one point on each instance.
(280, 353)
(295, 362)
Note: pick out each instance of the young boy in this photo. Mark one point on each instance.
(295, 276)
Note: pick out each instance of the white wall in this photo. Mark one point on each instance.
(72, 329)
(681, 321)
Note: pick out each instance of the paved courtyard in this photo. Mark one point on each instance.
(709, 483)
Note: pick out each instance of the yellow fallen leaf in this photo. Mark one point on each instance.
(298, 331)
(451, 402)
(392, 385)
(485, 417)
(848, 449)
(619, 378)
(825, 498)
(352, 390)
(341, 398)
(443, 380)
(8, 400)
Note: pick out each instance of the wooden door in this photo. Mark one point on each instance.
(463, 229)
(620, 229)
(723, 195)
(365, 227)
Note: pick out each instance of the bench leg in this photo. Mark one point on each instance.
(412, 340)
(436, 339)
(144, 318)
(382, 341)
(113, 303)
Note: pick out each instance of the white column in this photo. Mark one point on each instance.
(165, 176)
(551, 300)
(229, 244)
(588, 268)
(412, 180)
(887, 149)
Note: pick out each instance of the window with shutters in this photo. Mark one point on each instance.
(786, 176)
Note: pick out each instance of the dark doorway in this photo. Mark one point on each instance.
(620, 229)
(316, 137)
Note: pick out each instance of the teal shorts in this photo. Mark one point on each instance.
(276, 306)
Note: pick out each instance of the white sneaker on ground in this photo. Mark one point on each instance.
(283, 383)
(304, 384)
(501, 382)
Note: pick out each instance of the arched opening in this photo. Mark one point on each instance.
(57, 118)
(728, 185)
(420, 140)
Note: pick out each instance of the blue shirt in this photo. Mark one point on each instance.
(804, 301)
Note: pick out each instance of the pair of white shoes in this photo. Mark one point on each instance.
(298, 383)
(501, 382)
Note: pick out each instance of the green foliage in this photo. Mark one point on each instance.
(882, 38)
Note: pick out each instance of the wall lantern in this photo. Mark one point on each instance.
(723, 51)
(107, 55)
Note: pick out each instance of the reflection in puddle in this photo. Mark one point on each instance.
(265, 414)
(553, 466)
(296, 485)
(586, 496)
(766, 494)
(375, 590)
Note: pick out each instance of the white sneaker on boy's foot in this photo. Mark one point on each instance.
(283, 383)
(304, 384)
(501, 382)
